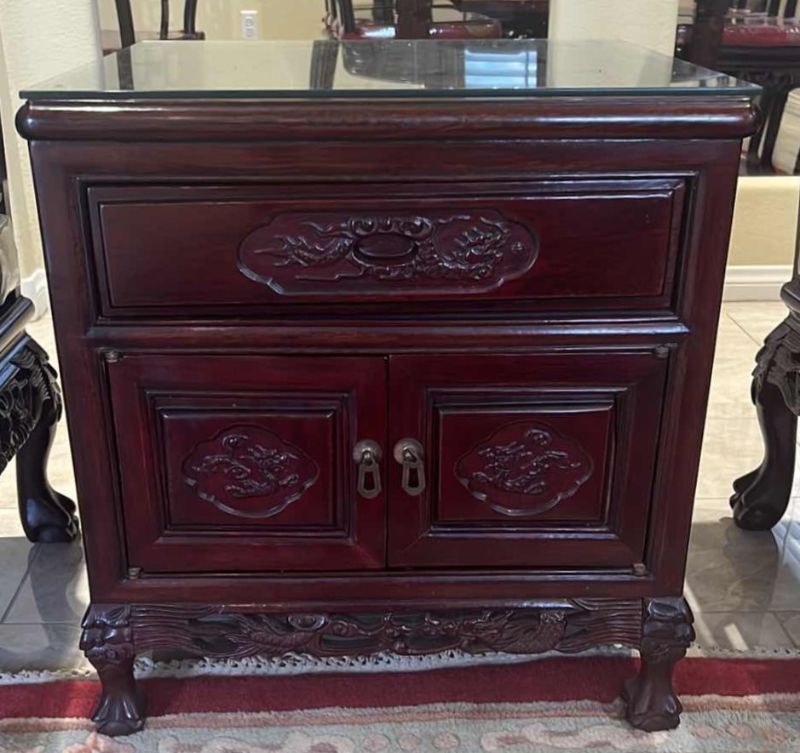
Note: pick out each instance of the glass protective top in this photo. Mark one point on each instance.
(384, 68)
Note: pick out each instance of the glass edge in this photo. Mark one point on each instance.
(33, 95)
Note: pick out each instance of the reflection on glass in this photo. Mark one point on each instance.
(384, 68)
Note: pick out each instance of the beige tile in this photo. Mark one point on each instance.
(730, 381)
(55, 589)
(40, 647)
(731, 448)
(733, 570)
(15, 551)
(790, 621)
(59, 471)
(10, 525)
(740, 631)
(757, 318)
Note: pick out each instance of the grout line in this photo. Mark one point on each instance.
(17, 591)
(751, 337)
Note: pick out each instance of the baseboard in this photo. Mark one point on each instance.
(755, 282)
(35, 287)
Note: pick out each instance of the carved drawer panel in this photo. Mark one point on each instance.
(244, 463)
(523, 460)
(228, 251)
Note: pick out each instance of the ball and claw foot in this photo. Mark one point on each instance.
(652, 704)
(118, 716)
(760, 497)
(107, 640)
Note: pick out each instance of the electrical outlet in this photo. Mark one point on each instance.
(249, 20)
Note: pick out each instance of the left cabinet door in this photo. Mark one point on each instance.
(234, 463)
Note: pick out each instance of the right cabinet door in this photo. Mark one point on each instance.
(543, 460)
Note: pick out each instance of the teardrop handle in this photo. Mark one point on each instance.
(409, 453)
(367, 453)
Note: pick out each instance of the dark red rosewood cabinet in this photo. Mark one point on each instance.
(411, 374)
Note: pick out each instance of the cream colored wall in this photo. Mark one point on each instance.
(648, 23)
(765, 221)
(37, 40)
(220, 19)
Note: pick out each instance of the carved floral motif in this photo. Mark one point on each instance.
(114, 633)
(249, 472)
(31, 390)
(524, 468)
(387, 254)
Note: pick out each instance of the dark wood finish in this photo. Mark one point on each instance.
(112, 635)
(245, 464)
(760, 497)
(527, 458)
(30, 408)
(560, 240)
(666, 634)
(535, 412)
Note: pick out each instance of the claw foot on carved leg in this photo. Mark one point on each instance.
(47, 516)
(666, 634)
(760, 497)
(107, 641)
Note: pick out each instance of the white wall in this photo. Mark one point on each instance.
(38, 39)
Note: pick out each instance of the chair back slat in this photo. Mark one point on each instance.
(127, 30)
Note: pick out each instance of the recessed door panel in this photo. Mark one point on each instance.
(248, 463)
(540, 460)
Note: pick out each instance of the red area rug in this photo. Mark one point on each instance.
(731, 705)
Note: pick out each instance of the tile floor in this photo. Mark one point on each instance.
(744, 587)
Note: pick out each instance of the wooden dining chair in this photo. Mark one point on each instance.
(404, 19)
(128, 32)
(761, 47)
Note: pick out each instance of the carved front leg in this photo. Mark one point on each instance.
(30, 407)
(666, 634)
(760, 497)
(107, 641)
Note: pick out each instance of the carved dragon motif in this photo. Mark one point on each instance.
(524, 468)
(387, 254)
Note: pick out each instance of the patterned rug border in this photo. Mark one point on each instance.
(300, 664)
(454, 711)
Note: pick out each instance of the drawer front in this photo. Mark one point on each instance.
(528, 461)
(247, 463)
(554, 244)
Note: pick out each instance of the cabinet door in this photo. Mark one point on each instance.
(248, 463)
(540, 460)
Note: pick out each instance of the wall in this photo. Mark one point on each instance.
(648, 23)
(37, 40)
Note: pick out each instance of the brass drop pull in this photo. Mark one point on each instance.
(368, 456)
(409, 453)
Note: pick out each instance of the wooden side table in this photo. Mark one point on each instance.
(760, 498)
(30, 407)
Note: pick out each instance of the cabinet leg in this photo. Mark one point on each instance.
(666, 634)
(107, 641)
(47, 516)
(760, 497)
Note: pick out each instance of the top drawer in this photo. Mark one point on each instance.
(220, 251)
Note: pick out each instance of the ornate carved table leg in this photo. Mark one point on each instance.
(107, 641)
(30, 407)
(666, 634)
(761, 496)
